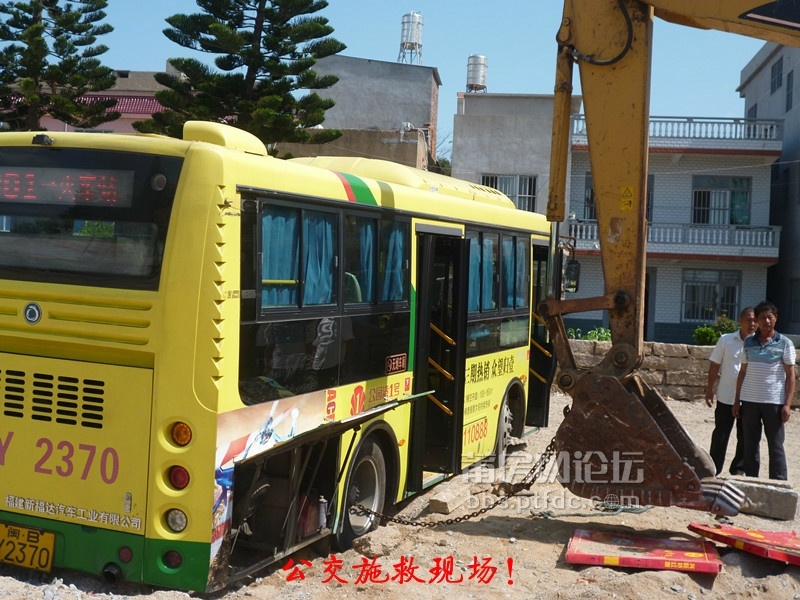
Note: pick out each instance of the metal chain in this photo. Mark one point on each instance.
(515, 488)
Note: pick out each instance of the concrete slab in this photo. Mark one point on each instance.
(767, 497)
(454, 495)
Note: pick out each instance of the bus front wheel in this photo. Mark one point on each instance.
(366, 485)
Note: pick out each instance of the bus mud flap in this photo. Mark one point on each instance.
(626, 447)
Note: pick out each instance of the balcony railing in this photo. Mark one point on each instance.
(700, 239)
(702, 128)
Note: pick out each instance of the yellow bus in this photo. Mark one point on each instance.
(209, 355)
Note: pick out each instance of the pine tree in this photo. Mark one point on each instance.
(49, 62)
(265, 52)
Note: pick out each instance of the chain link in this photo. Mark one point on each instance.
(515, 488)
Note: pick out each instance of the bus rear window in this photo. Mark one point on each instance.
(85, 217)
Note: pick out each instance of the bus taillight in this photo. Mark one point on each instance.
(125, 554)
(172, 559)
(181, 433)
(178, 477)
(176, 520)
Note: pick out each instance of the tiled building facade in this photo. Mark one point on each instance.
(710, 242)
(769, 84)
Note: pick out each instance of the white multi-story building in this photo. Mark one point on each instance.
(503, 141)
(709, 240)
(768, 85)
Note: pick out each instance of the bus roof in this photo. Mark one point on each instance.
(384, 170)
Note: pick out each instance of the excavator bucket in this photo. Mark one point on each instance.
(620, 443)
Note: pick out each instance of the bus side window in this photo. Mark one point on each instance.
(393, 268)
(483, 271)
(515, 273)
(352, 289)
(280, 251)
(359, 259)
(320, 252)
(291, 271)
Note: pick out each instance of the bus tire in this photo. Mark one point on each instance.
(244, 508)
(504, 425)
(366, 485)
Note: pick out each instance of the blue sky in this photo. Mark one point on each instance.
(695, 72)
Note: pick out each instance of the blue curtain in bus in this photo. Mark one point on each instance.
(474, 275)
(318, 258)
(509, 278)
(522, 266)
(487, 297)
(280, 239)
(367, 266)
(393, 276)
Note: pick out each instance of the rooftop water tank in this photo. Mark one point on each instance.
(476, 73)
(411, 35)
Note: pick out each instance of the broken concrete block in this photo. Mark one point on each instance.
(767, 498)
(449, 499)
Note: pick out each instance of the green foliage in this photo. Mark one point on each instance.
(598, 334)
(723, 324)
(443, 166)
(707, 335)
(99, 229)
(48, 62)
(265, 52)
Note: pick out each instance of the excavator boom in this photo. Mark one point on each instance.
(614, 413)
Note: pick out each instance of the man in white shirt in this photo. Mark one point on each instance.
(726, 358)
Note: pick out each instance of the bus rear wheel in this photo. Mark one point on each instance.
(366, 485)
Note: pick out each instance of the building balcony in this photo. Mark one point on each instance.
(730, 241)
(699, 134)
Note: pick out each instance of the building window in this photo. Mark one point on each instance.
(526, 198)
(721, 200)
(709, 294)
(789, 90)
(520, 188)
(589, 211)
(776, 78)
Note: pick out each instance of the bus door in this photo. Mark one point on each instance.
(440, 355)
(542, 358)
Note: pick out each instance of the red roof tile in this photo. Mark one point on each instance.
(134, 105)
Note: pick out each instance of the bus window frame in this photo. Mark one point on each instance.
(254, 316)
(491, 319)
(253, 203)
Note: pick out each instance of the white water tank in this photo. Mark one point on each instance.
(411, 34)
(476, 73)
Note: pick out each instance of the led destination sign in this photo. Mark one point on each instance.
(72, 187)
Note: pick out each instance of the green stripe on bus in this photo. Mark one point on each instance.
(360, 191)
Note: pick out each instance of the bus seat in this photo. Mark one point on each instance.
(352, 289)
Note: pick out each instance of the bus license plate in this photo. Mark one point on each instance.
(25, 547)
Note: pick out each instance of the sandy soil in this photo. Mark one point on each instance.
(507, 552)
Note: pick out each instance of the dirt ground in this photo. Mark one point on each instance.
(507, 552)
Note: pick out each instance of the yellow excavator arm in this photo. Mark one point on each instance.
(615, 414)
